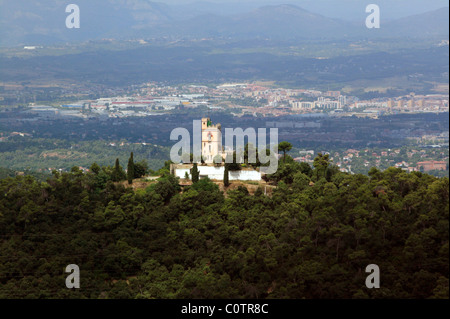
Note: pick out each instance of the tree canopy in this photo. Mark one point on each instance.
(312, 238)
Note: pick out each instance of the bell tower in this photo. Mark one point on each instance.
(211, 140)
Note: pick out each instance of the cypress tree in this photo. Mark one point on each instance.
(117, 171)
(195, 174)
(226, 181)
(130, 172)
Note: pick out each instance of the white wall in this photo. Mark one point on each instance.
(217, 173)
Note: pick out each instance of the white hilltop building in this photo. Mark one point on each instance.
(216, 172)
(211, 148)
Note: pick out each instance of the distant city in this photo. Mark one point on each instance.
(407, 131)
(242, 99)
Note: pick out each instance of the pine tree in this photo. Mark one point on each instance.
(130, 172)
(95, 168)
(284, 147)
(226, 181)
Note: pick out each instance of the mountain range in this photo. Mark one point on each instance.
(39, 24)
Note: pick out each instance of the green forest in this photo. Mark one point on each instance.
(41, 154)
(311, 238)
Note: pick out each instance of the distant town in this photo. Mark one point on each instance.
(241, 99)
(409, 132)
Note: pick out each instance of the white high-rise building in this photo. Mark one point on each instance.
(342, 100)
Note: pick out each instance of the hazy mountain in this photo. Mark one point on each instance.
(286, 21)
(35, 21)
(275, 22)
(349, 10)
(194, 9)
(434, 23)
(292, 22)
(43, 22)
(355, 10)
